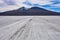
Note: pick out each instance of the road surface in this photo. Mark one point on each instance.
(29, 27)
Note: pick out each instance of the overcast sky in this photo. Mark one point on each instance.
(6, 5)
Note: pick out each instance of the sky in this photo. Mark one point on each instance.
(7, 5)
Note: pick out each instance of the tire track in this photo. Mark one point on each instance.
(20, 31)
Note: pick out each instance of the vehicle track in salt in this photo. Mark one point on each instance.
(34, 28)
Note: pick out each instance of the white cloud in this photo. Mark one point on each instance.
(10, 7)
(7, 8)
(13, 7)
(41, 2)
(57, 5)
(1, 1)
(19, 3)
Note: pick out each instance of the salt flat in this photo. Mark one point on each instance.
(29, 27)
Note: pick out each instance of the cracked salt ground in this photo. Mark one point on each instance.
(30, 28)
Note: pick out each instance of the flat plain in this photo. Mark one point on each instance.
(29, 27)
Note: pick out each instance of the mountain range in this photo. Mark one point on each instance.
(31, 11)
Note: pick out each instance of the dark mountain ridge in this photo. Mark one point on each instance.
(30, 11)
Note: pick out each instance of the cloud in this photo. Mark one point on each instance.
(1, 1)
(40, 2)
(9, 2)
(13, 7)
(7, 8)
(15, 4)
(56, 5)
(6, 5)
(32, 2)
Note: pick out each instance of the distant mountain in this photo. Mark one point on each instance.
(41, 11)
(19, 11)
(30, 11)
